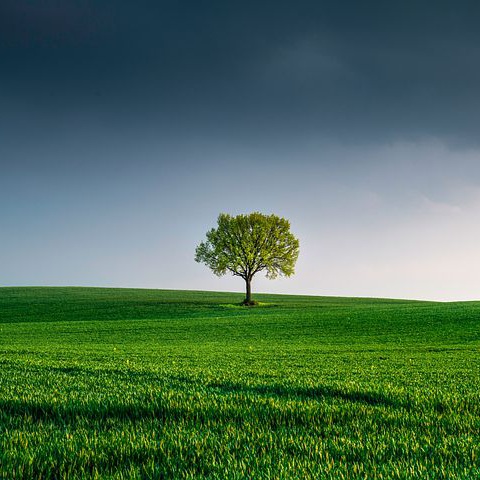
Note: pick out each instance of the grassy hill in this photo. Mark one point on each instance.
(124, 383)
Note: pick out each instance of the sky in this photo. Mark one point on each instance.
(127, 127)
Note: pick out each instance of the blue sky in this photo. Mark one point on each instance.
(125, 129)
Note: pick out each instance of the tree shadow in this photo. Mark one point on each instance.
(320, 393)
(163, 409)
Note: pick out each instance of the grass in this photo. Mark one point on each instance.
(120, 383)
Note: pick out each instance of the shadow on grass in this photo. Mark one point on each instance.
(252, 306)
(297, 392)
(182, 406)
(321, 393)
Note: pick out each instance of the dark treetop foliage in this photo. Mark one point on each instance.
(247, 244)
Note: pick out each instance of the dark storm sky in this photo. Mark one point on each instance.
(126, 127)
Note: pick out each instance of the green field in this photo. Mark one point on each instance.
(118, 383)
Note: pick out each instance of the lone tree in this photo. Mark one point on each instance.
(247, 244)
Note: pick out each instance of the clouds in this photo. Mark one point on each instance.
(395, 221)
(350, 71)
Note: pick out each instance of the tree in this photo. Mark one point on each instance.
(245, 245)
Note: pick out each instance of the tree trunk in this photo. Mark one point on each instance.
(248, 298)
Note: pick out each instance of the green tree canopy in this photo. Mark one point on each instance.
(245, 245)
